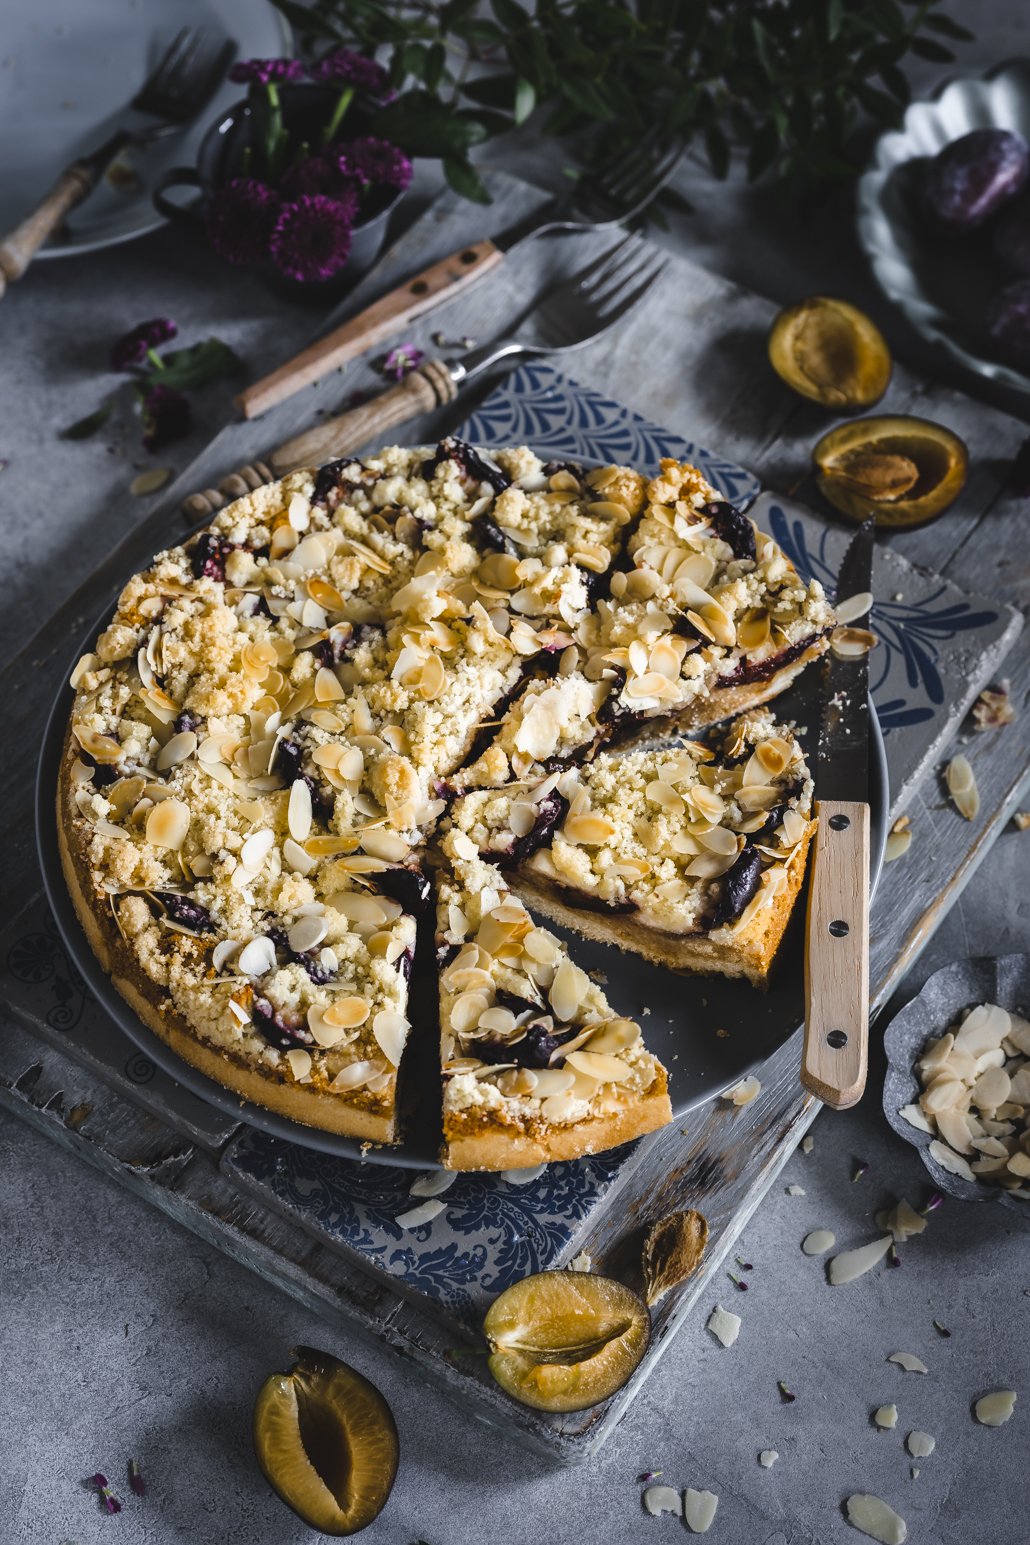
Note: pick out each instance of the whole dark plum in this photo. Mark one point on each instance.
(1008, 323)
(1011, 237)
(970, 179)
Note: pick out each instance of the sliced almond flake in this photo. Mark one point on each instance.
(948, 1159)
(699, 1509)
(909, 1362)
(150, 482)
(855, 1263)
(724, 1325)
(993, 1409)
(434, 1183)
(523, 1177)
(807, 1143)
(796, 1191)
(662, 1499)
(300, 1062)
(903, 1222)
(744, 1092)
(897, 845)
(886, 1417)
(915, 1118)
(299, 811)
(168, 824)
(581, 1262)
(416, 1216)
(256, 958)
(390, 1030)
(871, 1515)
(920, 1444)
(854, 607)
(307, 934)
(818, 1241)
(962, 787)
(768, 1457)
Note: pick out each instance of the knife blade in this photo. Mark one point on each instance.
(835, 1050)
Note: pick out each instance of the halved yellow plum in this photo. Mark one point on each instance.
(830, 352)
(565, 1340)
(327, 1442)
(901, 470)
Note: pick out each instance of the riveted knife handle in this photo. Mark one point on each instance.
(427, 290)
(836, 1048)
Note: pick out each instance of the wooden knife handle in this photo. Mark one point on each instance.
(19, 247)
(426, 388)
(836, 1049)
(374, 325)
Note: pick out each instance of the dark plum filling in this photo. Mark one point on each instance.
(408, 887)
(520, 1007)
(186, 912)
(535, 1049)
(332, 482)
(102, 773)
(489, 537)
(331, 650)
(445, 953)
(277, 1029)
(405, 964)
(287, 766)
(747, 671)
(739, 884)
(208, 556)
(550, 468)
(186, 721)
(318, 973)
(734, 528)
(551, 810)
(472, 464)
(583, 901)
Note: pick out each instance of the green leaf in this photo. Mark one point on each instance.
(587, 97)
(834, 17)
(187, 369)
(926, 48)
(84, 427)
(525, 99)
(949, 28)
(718, 148)
(510, 14)
(464, 179)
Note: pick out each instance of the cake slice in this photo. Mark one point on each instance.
(710, 617)
(536, 1065)
(692, 856)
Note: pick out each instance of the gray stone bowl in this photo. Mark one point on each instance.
(1002, 979)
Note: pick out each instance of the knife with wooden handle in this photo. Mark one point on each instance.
(836, 1045)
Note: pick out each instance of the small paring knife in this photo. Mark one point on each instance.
(836, 1046)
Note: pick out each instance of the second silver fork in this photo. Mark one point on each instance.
(568, 316)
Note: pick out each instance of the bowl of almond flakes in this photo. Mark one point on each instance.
(958, 1078)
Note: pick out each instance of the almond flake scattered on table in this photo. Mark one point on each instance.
(699, 1510)
(994, 1409)
(581, 1262)
(724, 1325)
(744, 1092)
(807, 1143)
(149, 482)
(662, 1499)
(961, 781)
(855, 1263)
(920, 1444)
(871, 1516)
(796, 1191)
(767, 1458)
(909, 1362)
(436, 1181)
(886, 1417)
(818, 1241)
(416, 1216)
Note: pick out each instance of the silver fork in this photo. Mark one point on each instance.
(571, 314)
(615, 197)
(176, 90)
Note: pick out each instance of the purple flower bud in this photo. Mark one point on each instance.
(136, 1479)
(311, 239)
(376, 163)
(132, 349)
(240, 220)
(343, 67)
(166, 417)
(402, 360)
(325, 174)
(266, 72)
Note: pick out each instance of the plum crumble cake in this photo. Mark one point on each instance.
(267, 735)
(536, 1064)
(692, 856)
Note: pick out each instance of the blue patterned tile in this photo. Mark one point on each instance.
(490, 1231)
(538, 406)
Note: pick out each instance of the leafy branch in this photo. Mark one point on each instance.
(780, 83)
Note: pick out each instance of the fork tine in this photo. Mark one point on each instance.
(658, 174)
(625, 167)
(596, 269)
(592, 285)
(612, 293)
(611, 312)
(167, 64)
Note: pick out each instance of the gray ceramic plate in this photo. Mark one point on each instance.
(68, 68)
(942, 287)
(1003, 979)
(683, 1017)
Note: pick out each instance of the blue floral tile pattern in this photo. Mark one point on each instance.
(489, 1232)
(538, 406)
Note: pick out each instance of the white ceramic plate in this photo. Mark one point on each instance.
(66, 70)
(942, 287)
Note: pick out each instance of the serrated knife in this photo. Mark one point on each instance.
(836, 1046)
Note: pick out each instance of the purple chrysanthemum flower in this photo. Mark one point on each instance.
(343, 67)
(266, 72)
(166, 417)
(108, 1501)
(240, 219)
(311, 240)
(324, 173)
(132, 349)
(375, 161)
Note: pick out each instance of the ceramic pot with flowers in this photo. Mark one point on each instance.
(295, 182)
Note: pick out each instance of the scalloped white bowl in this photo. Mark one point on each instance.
(940, 286)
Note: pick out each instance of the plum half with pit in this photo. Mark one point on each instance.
(327, 1443)
(972, 178)
(901, 470)
(827, 350)
(1008, 323)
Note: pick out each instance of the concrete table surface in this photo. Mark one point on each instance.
(121, 1336)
